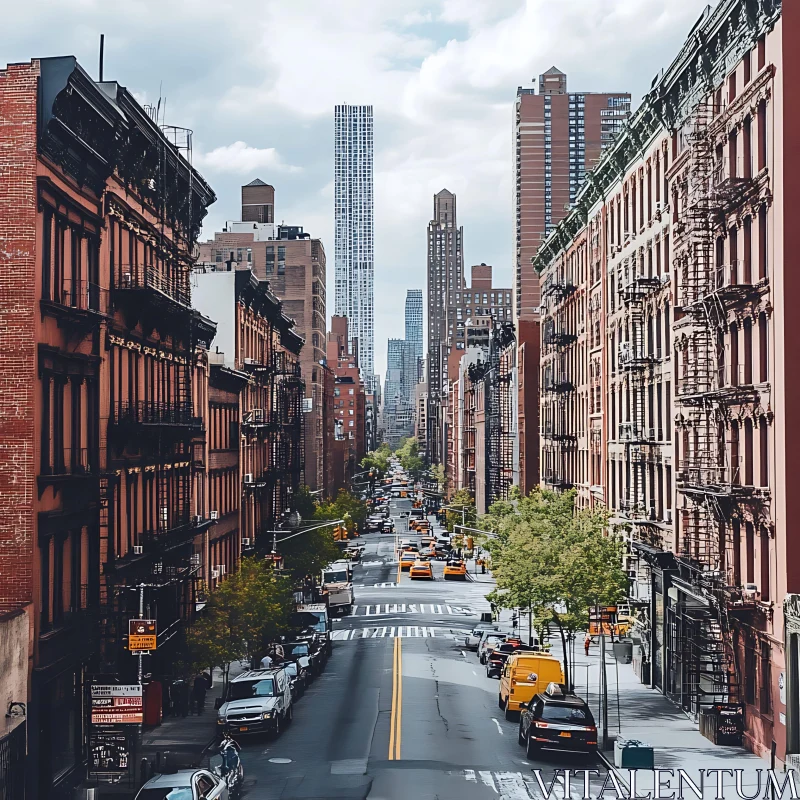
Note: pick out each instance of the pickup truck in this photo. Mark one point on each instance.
(337, 586)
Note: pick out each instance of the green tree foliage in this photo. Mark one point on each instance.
(554, 560)
(304, 503)
(377, 460)
(309, 553)
(462, 499)
(343, 506)
(244, 613)
(410, 459)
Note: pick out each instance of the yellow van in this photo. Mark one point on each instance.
(524, 675)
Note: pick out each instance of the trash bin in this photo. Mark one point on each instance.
(633, 754)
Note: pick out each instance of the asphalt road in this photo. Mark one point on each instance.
(402, 710)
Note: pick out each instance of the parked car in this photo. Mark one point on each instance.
(455, 568)
(374, 523)
(298, 678)
(496, 658)
(489, 640)
(184, 784)
(473, 638)
(557, 719)
(257, 701)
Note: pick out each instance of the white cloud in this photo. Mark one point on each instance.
(241, 159)
(257, 81)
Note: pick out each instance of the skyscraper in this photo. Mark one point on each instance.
(559, 137)
(445, 278)
(399, 398)
(353, 199)
(414, 322)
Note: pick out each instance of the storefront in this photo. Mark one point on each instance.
(790, 690)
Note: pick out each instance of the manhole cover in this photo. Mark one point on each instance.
(280, 761)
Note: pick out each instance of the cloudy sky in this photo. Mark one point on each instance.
(257, 81)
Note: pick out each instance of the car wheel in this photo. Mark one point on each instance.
(276, 728)
(509, 714)
(500, 701)
(520, 734)
(531, 749)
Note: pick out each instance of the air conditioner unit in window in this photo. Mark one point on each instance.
(668, 515)
(215, 514)
(195, 559)
(196, 519)
(126, 279)
(750, 591)
(214, 574)
(138, 549)
(246, 541)
(221, 569)
(248, 477)
(631, 574)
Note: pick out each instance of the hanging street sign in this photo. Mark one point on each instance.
(142, 634)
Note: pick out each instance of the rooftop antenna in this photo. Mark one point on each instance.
(102, 48)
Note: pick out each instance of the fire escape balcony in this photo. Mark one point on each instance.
(633, 358)
(558, 383)
(283, 364)
(729, 186)
(168, 286)
(70, 463)
(172, 534)
(555, 434)
(152, 414)
(556, 481)
(558, 338)
(558, 288)
(638, 288)
(78, 302)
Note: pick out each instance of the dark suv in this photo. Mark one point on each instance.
(559, 720)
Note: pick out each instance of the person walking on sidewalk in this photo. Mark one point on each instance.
(199, 689)
(586, 643)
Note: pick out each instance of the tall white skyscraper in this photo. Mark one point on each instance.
(353, 198)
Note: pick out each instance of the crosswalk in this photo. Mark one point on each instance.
(521, 786)
(380, 609)
(384, 585)
(392, 632)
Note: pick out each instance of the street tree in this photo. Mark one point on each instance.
(345, 503)
(244, 613)
(377, 460)
(310, 552)
(555, 561)
(410, 459)
(461, 511)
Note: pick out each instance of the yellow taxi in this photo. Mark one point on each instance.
(455, 568)
(408, 559)
(421, 569)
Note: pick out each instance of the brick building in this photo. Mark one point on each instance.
(294, 265)
(668, 282)
(349, 403)
(102, 387)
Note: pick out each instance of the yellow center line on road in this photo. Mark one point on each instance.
(396, 721)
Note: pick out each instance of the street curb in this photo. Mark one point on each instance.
(612, 768)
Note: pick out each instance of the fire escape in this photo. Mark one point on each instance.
(702, 649)
(558, 432)
(499, 400)
(637, 359)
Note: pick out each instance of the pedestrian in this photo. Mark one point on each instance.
(199, 690)
(586, 642)
(181, 698)
(266, 662)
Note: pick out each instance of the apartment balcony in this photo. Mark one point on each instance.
(167, 286)
(558, 338)
(729, 184)
(78, 303)
(284, 364)
(556, 481)
(557, 288)
(149, 414)
(69, 463)
(638, 287)
(558, 384)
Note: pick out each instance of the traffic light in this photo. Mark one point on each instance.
(339, 533)
(470, 543)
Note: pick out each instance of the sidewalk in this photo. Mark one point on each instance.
(186, 738)
(638, 712)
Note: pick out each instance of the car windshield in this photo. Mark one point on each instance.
(165, 793)
(570, 714)
(300, 649)
(291, 668)
(315, 620)
(336, 576)
(242, 690)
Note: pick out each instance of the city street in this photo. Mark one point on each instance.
(402, 709)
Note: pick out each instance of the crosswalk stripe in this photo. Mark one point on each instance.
(386, 632)
(378, 609)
